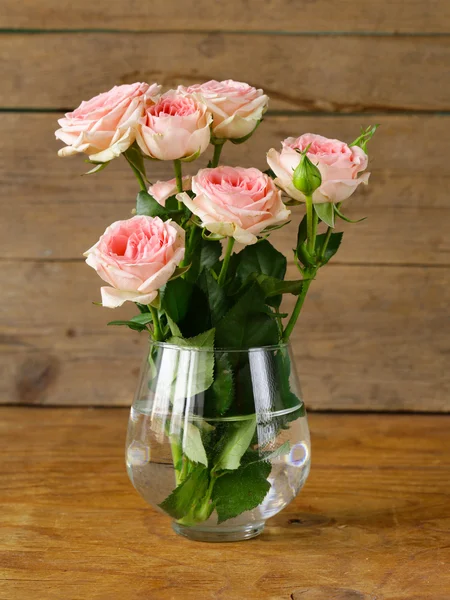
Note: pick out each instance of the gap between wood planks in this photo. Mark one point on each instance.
(322, 411)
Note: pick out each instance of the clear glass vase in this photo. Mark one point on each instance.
(218, 439)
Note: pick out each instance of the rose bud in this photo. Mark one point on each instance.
(307, 177)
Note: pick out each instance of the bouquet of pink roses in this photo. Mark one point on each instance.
(200, 296)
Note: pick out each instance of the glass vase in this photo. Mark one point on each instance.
(218, 438)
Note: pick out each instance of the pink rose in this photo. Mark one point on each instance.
(176, 127)
(105, 126)
(236, 202)
(162, 190)
(339, 165)
(237, 107)
(136, 257)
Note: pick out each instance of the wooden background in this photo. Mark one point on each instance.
(374, 334)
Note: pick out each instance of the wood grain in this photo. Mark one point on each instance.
(370, 338)
(314, 73)
(371, 523)
(253, 15)
(62, 214)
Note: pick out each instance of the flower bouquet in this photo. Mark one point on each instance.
(217, 437)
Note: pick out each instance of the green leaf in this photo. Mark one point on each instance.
(130, 324)
(241, 490)
(365, 137)
(246, 324)
(222, 390)
(332, 247)
(98, 167)
(179, 271)
(147, 205)
(302, 233)
(142, 319)
(186, 497)
(143, 308)
(203, 340)
(135, 158)
(344, 218)
(198, 318)
(325, 212)
(193, 445)
(174, 329)
(195, 369)
(236, 442)
(280, 451)
(175, 298)
(217, 299)
(261, 258)
(203, 255)
(211, 237)
(272, 286)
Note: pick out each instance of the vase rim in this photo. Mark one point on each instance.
(269, 348)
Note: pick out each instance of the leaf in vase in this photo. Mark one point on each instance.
(183, 500)
(241, 490)
(236, 442)
(222, 390)
(196, 369)
(193, 445)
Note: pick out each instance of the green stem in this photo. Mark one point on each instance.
(297, 308)
(179, 179)
(177, 456)
(156, 326)
(325, 243)
(310, 224)
(203, 512)
(137, 174)
(226, 261)
(216, 155)
(314, 229)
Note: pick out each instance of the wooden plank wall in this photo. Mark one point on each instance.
(374, 334)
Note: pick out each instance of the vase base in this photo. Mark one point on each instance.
(213, 535)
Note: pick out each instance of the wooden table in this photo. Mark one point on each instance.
(373, 521)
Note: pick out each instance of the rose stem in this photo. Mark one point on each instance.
(179, 179)
(297, 308)
(156, 327)
(137, 173)
(216, 155)
(226, 260)
(312, 221)
(325, 243)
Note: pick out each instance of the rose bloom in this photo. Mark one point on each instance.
(176, 127)
(105, 126)
(339, 165)
(236, 202)
(136, 257)
(162, 190)
(237, 107)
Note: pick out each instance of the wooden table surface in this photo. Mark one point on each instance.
(372, 522)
